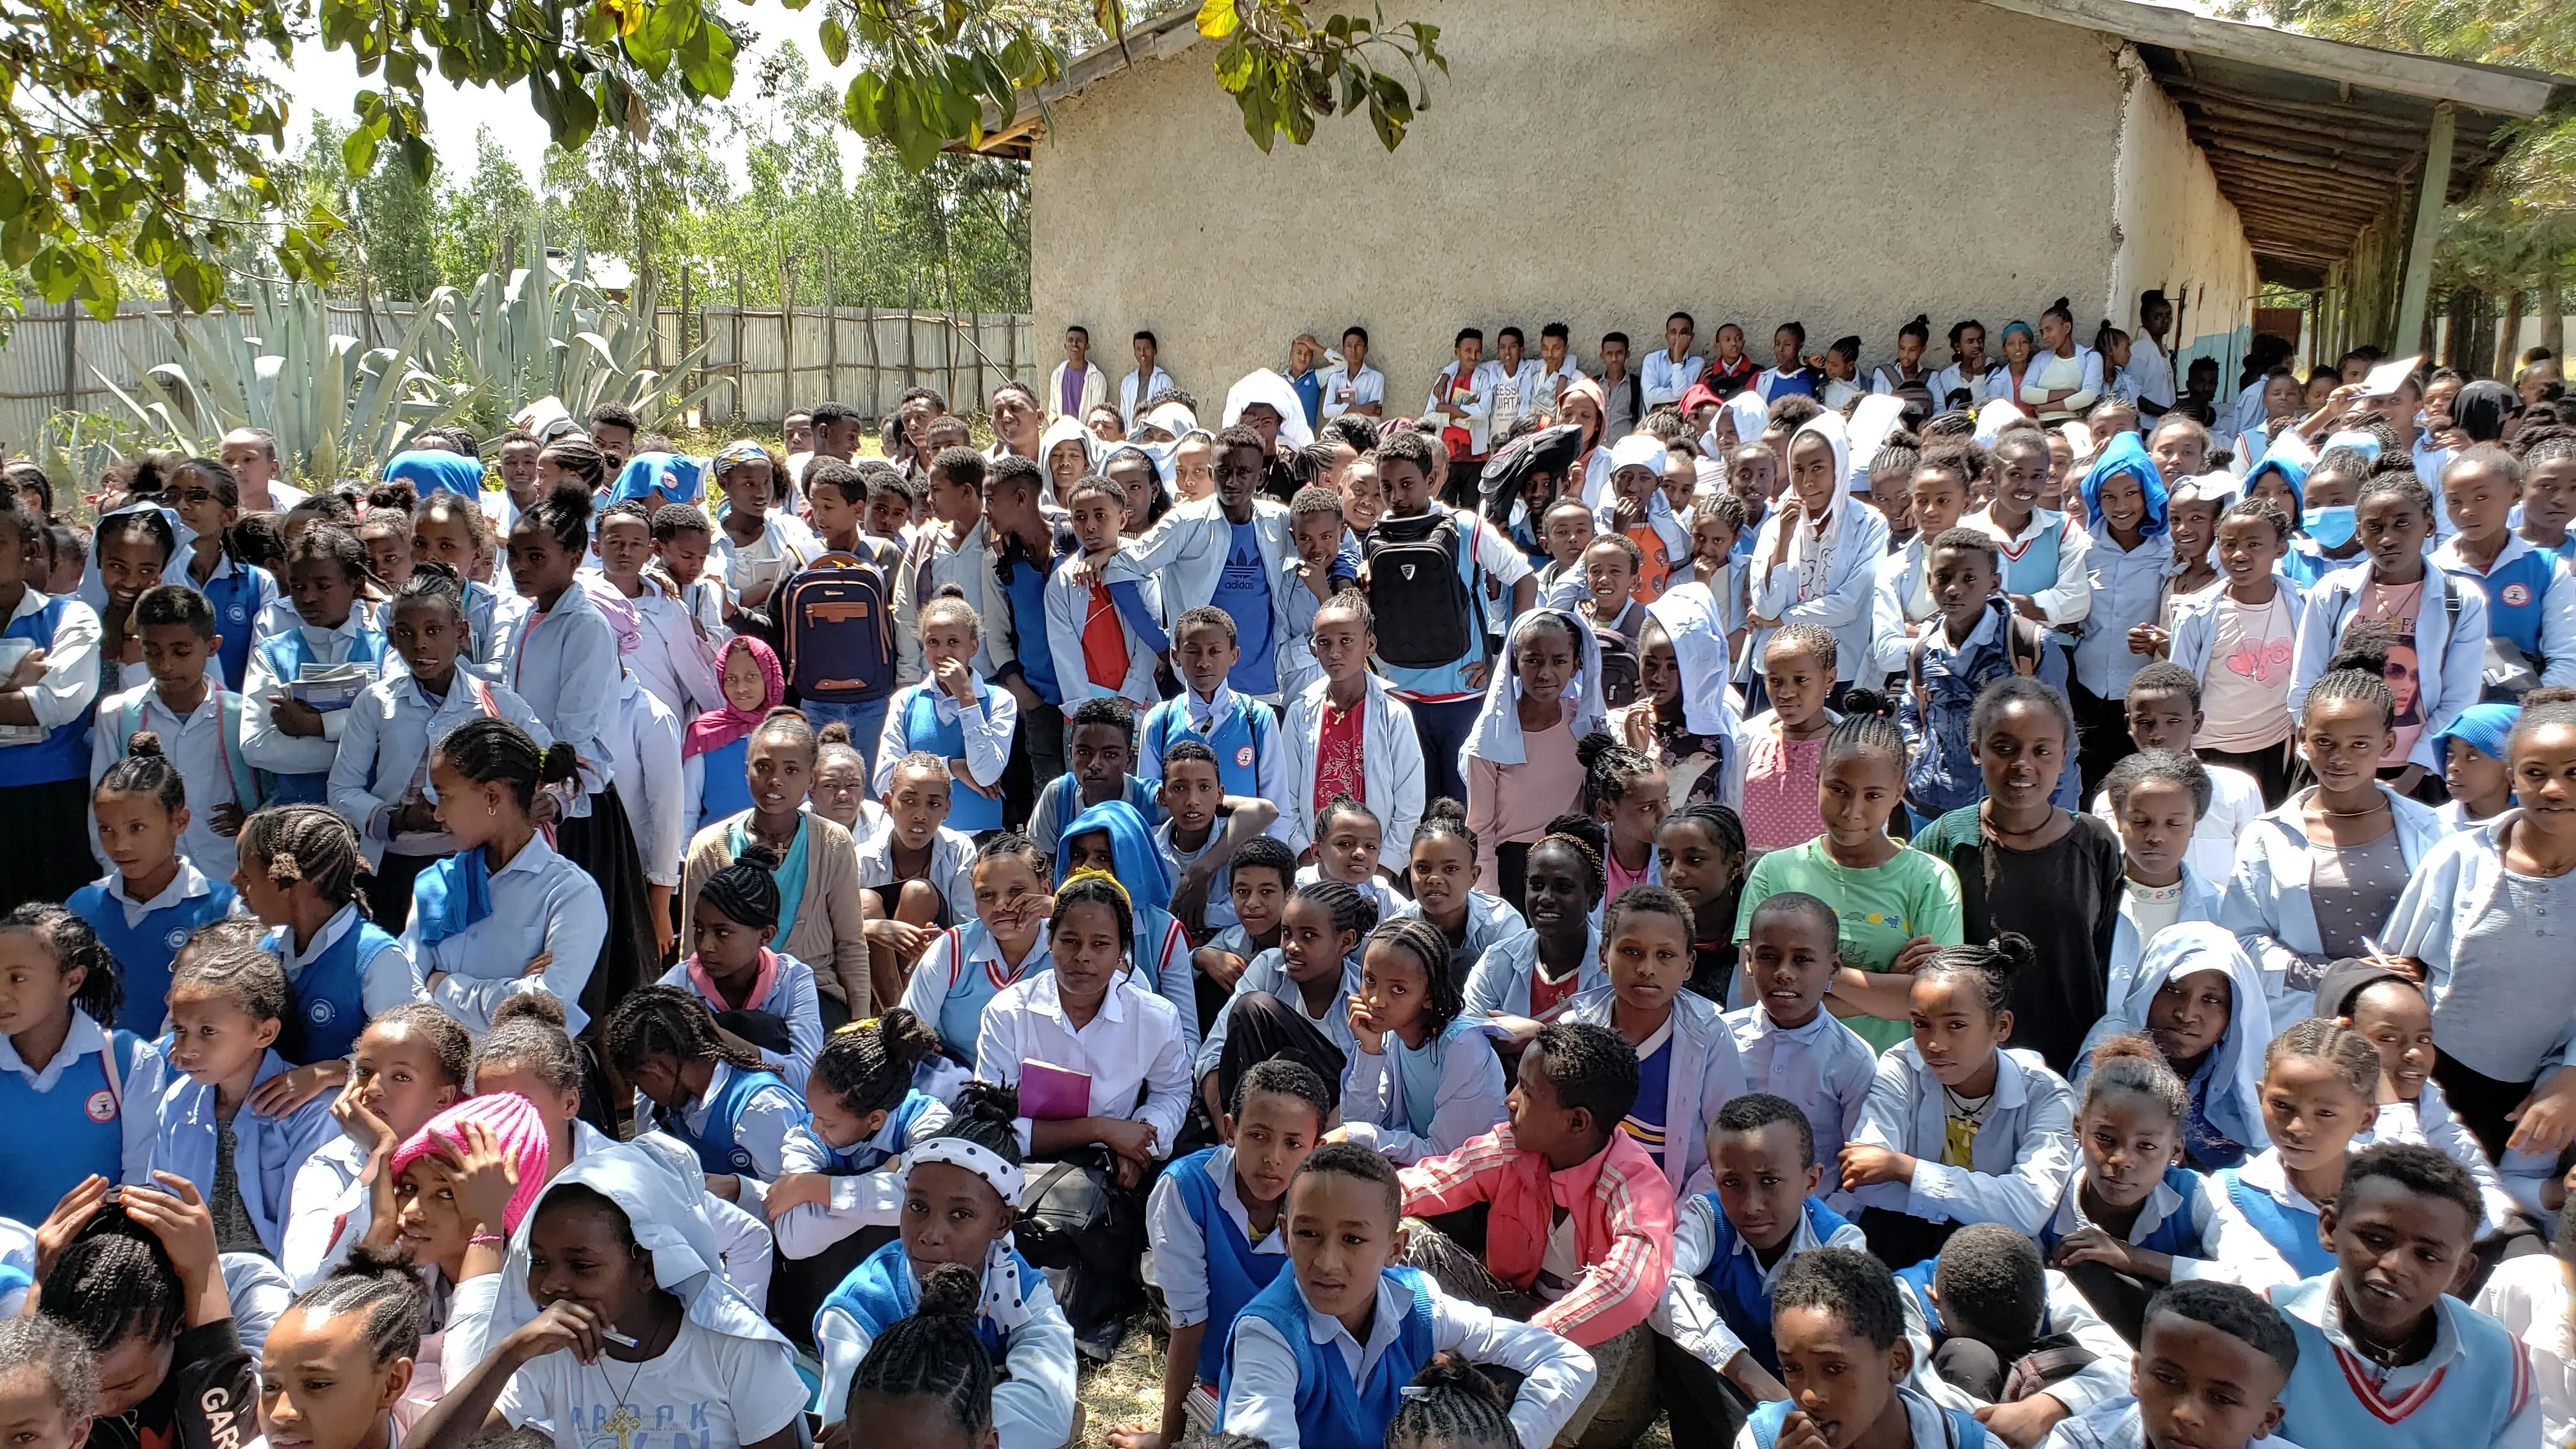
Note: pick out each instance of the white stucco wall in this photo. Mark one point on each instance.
(2177, 232)
(1846, 163)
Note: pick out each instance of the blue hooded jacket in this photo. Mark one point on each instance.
(2126, 454)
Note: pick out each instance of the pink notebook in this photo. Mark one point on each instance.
(1049, 1093)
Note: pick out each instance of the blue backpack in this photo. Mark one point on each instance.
(837, 620)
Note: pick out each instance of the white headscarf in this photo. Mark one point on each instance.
(1276, 393)
(1991, 418)
(1006, 1300)
(1496, 739)
(1696, 623)
(1866, 433)
(1751, 415)
(1639, 449)
(1173, 418)
(93, 589)
(663, 1213)
(2234, 1100)
(1069, 429)
(1806, 540)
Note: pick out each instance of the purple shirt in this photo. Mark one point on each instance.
(1074, 377)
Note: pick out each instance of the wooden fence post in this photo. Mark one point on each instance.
(831, 332)
(876, 394)
(786, 331)
(740, 369)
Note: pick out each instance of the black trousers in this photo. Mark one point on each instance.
(1902, 1240)
(2101, 734)
(1703, 1407)
(1264, 1027)
(2480, 1101)
(2273, 769)
(388, 889)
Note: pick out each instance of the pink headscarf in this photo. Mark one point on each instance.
(516, 1127)
(725, 724)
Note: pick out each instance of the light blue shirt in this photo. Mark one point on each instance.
(542, 905)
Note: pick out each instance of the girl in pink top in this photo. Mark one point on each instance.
(1520, 761)
(1784, 747)
(1627, 792)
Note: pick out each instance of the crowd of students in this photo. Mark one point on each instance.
(2004, 902)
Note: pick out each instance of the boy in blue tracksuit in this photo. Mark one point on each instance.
(2531, 596)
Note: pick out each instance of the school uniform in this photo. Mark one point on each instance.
(959, 974)
(1502, 983)
(932, 561)
(1243, 733)
(349, 972)
(2450, 631)
(927, 717)
(2493, 956)
(44, 784)
(1205, 1258)
(2268, 904)
(1020, 1325)
(2235, 802)
(1827, 580)
(1956, 377)
(2224, 1119)
(1267, 974)
(541, 903)
(1411, 1103)
(784, 546)
(1662, 539)
(952, 858)
(1060, 801)
(644, 760)
(2195, 897)
(2081, 370)
(241, 594)
(2428, 1121)
(2532, 1298)
(784, 988)
(1298, 1379)
(2531, 600)
(301, 764)
(90, 1110)
(2049, 559)
(2259, 1195)
(2474, 1387)
(670, 661)
(144, 936)
(390, 733)
(1380, 893)
(566, 668)
(1096, 651)
(1318, 745)
(738, 1125)
(2021, 1147)
(1200, 556)
(1490, 921)
(1928, 1425)
(1686, 1072)
(2186, 1217)
(1218, 906)
(1132, 1049)
(716, 783)
(1825, 1067)
(2064, 1313)
(1718, 1303)
(1774, 383)
(867, 1187)
(181, 1115)
(494, 620)
(1904, 603)
(206, 749)
(2127, 587)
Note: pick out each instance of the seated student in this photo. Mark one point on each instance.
(2164, 714)
(2199, 998)
(961, 1196)
(196, 721)
(915, 870)
(1294, 1001)
(1099, 1063)
(2320, 1081)
(762, 999)
(1381, 1326)
(1938, 494)
(961, 968)
(152, 896)
(227, 1004)
(698, 1352)
(410, 1064)
(1998, 1333)
(1686, 1056)
(2390, 1010)
(1790, 1045)
(1838, 1321)
(1346, 735)
(1424, 1078)
(1716, 1357)
(1535, 975)
(1626, 792)
(66, 994)
(1096, 649)
(1349, 847)
(714, 750)
(1977, 640)
(1100, 754)
(297, 872)
(1609, 604)
(1563, 1147)
(1958, 1127)
(1442, 872)
(2154, 797)
(1316, 572)
(1203, 830)
(701, 1084)
(1260, 880)
(1113, 840)
(1565, 534)
(840, 792)
(1521, 761)
(1242, 732)
(2386, 1356)
(2212, 1362)
(293, 740)
(954, 715)
(1216, 1219)
(1700, 851)
(1781, 750)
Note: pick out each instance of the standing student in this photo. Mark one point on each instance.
(669, 658)
(1625, 792)
(297, 741)
(449, 530)
(2046, 568)
(1521, 760)
(2530, 595)
(1097, 651)
(2153, 803)
(298, 874)
(1349, 735)
(197, 722)
(1424, 1078)
(64, 998)
(716, 745)
(2317, 879)
(2027, 865)
(1241, 731)
(1224, 551)
(1317, 528)
(2320, 1081)
(1818, 553)
(757, 544)
(1700, 851)
(152, 898)
(1537, 973)
(1937, 495)
(1634, 507)
(702, 1085)
(1687, 1062)
(380, 778)
(2476, 765)
(1697, 766)
(2164, 715)
(2239, 642)
(2126, 501)
(1959, 1128)
(2548, 490)
(208, 499)
(129, 547)
(954, 715)
(1976, 640)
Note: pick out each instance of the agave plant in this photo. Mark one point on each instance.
(337, 407)
(517, 336)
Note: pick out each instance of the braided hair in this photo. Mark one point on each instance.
(1988, 970)
(563, 514)
(1609, 769)
(2367, 685)
(1352, 909)
(1441, 998)
(335, 544)
(382, 1284)
(1588, 840)
(446, 1039)
(489, 750)
(1451, 1405)
(668, 1021)
(933, 1354)
(528, 1033)
(2131, 1062)
(983, 1114)
(1868, 724)
(867, 1066)
(251, 977)
(308, 843)
(114, 1282)
(2326, 1040)
(432, 585)
(145, 770)
(1091, 887)
(789, 726)
(745, 892)
(74, 946)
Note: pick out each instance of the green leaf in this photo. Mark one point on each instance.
(836, 41)
(1218, 18)
(1234, 66)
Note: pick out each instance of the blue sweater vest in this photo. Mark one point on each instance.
(880, 1293)
(1332, 1411)
(1241, 741)
(236, 598)
(864, 1157)
(2177, 1236)
(287, 654)
(1734, 1280)
(2514, 596)
(726, 788)
(2290, 1231)
(969, 811)
(330, 992)
(717, 1151)
(55, 1139)
(1235, 1273)
(62, 754)
(1963, 1430)
(2469, 1401)
(143, 950)
(961, 1010)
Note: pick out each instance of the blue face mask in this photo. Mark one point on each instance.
(2330, 527)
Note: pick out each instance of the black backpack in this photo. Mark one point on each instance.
(1425, 611)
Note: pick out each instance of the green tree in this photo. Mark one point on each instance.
(478, 223)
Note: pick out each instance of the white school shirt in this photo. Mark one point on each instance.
(983, 729)
(644, 753)
(1825, 1067)
(541, 904)
(1177, 1262)
(196, 745)
(1186, 549)
(2022, 1152)
(1841, 601)
(708, 1390)
(1686, 1314)
(1133, 1047)
(2268, 907)
(759, 1128)
(71, 662)
(2237, 1253)
(1467, 1100)
(1500, 984)
(2235, 802)
(1662, 380)
(2071, 598)
(2530, 1296)
(139, 1126)
(1033, 1398)
(1390, 768)
(931, 562)
(1925, 1424)
(1344, 390)
(384, 979)
(2068, 1312)
(384, 759)
(1953, 378)
(2152, 372)
(567, 670)
(188, 884)
(330, 1209)
(952, 861)
(2127, 587)
(1135, 387)
(2450, 649)
(2427, 1121)
(1478, 404)
(784, 546)
(1261, 1394)
(1268, 973)
(858, 1200)
(671, 662)
(262, 742)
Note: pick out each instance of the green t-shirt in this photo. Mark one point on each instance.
(1880, 909)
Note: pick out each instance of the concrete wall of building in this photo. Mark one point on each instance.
(2177, 233)
(1847, 165)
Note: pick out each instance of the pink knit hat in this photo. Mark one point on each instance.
(515, 1125)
